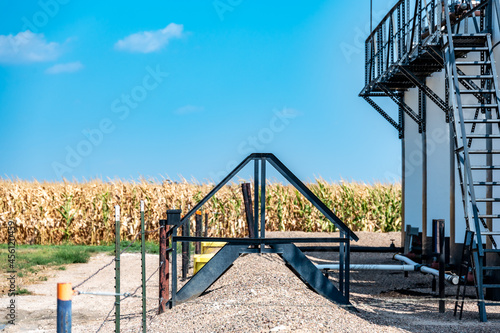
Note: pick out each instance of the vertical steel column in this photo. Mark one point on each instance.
(117, 268)
(452, 189)
(403, 167)
(341, 263)
(347, 267)
(199, 221)
(256, 197)
(442, 263)
(263, 199)
(143, 267)
(163, 264)
(174, 267)
(422, 114)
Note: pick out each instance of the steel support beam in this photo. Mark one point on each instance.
(406, 108)
(423, 87)
(210, 273)
(310, 275)
(382, 112)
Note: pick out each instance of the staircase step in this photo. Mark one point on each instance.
(481, 121)
(485, 151)
(485, 76)
(492, 216)
(477, 91)
(487, 199)
(483, 136)
(473, 48)
(485, 167)
(486, 183)
(473, 63)
(491, 268)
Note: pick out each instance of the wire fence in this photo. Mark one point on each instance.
(151, 313)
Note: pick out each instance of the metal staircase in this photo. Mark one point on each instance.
(475, 120)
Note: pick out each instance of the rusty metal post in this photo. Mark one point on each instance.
(185, 250)
(205, 232)
(164, 267)
(247, 200)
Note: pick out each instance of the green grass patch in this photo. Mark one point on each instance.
(32, 259)
(23, 291)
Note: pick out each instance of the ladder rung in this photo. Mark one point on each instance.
(473, 63)
(488, 200)
(472, 48)
(491, 250)
(477, 91)
(481, 120)
(491, 216)
(486, 183)
(491, 268)
(485, 151)
(485, 167)
(489, 285)
(474, 106)
(475, 76)
(491, 304)
(488, 233)
(479, 34)
(483, 136)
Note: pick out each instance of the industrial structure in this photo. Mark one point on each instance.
(437, 60)
(257, 242)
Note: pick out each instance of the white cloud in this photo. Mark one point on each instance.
(150, 41)
(189, 109)
(69, 67)
(27, 47)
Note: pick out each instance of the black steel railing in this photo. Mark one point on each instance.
(408, 26)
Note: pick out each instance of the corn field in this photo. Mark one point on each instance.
(83, 213)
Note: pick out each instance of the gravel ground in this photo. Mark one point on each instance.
(259, 294)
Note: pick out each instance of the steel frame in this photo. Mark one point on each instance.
(427, 46)
(293, 257)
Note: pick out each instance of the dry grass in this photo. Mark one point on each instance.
(83, 213)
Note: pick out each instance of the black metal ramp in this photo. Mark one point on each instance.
(309, 274)
(210, 273)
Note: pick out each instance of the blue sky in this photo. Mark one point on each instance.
(93, 89)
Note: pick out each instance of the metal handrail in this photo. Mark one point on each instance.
(402, 32)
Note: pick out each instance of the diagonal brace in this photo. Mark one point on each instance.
(406, 108)
(423, 87)
(382, 112)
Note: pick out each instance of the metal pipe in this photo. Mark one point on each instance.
(335, 267)
(424, 269)
(381, 249)
(410, 267)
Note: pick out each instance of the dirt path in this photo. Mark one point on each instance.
(258, 294)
